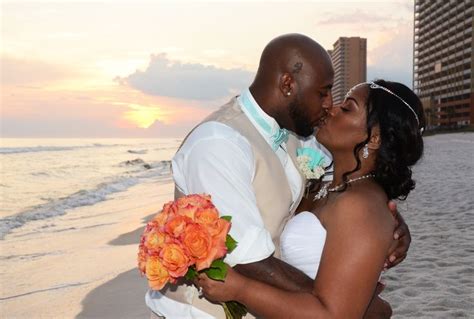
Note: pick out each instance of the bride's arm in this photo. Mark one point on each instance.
(358, 236)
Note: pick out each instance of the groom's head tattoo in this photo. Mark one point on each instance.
(297, 67)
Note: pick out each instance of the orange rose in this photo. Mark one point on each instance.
(176, 225)
(212, 255)
(170, 208)
(197, 241)
(219, 236)
(155, 240)
(218, 231)
(175, 260)
(188, 211)
(150, 226)
(195, 200)
(141, 258)
(206, 216)
(156, 273)
(221, 229)
(161, 218)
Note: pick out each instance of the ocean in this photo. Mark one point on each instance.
(69, 205)
(44, 178)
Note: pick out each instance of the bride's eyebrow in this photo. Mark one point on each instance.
(351, 98)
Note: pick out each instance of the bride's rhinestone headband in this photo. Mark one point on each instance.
(373, 85)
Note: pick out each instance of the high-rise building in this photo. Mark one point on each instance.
(349, 58)
(443, 61)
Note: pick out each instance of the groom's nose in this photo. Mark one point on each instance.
(327, 103)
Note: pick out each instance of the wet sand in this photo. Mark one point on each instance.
(83, 263)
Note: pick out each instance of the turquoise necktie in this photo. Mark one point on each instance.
(279, 137)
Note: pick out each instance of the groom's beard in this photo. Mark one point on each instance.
(300, 118)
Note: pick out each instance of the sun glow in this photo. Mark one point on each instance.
(144, 116)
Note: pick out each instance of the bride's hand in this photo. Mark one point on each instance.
(219, 291)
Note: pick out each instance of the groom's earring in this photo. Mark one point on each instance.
(365, 151)
(288, 93)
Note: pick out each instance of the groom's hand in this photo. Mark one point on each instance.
(277, 273)
(399, 249)
(378, 308)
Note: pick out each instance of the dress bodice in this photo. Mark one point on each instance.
(302, 242)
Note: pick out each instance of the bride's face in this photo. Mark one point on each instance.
(346, 125)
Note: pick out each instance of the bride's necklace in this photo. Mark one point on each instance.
(325, 190)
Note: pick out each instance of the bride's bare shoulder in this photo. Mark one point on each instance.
(364, 206)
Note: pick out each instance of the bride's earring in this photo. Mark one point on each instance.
(365, 151)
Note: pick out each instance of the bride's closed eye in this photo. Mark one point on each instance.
(346, 106)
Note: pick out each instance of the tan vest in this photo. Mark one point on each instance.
(273, 194)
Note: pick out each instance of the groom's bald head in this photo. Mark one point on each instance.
(291, 53)
(292, 69)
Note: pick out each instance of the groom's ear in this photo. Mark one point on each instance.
(286, 84)
(375, 140)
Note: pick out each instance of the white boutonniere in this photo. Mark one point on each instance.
(310, 162)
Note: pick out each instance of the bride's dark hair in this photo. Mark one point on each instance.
(401, 138)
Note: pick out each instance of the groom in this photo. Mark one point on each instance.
(243, 155)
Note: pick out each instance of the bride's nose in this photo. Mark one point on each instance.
(332, 111)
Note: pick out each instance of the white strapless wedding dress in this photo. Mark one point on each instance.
(302, 242)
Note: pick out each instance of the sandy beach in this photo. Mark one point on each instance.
(83, 265)
(437, 278)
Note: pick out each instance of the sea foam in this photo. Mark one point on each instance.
(57, 207)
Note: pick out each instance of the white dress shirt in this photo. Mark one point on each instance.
(216, 159)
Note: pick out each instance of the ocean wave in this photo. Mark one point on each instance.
(143, 151)
(40, 174)
(34, 149)
(57, 207)
(134, 162)
(141, 163)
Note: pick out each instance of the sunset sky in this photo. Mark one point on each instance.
(120, 68)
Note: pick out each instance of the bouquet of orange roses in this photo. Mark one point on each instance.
(186, 238)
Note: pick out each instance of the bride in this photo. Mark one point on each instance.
(374, 137)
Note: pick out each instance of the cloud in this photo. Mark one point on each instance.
(393, 60)
(357, 17)
(193, 81)
(374, 16)
(16, 71)
(392, 74)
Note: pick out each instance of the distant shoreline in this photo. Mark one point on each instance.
(468, 129)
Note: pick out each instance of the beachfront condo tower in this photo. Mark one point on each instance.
(443, 61)
(349, 57)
